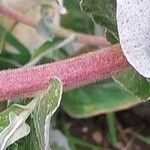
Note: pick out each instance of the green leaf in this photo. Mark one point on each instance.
(23, 55)
(46, 106)
(6, 63)
(12, 123)
(75, 19)
(134, 82)
(29, 142)
(13, 147)
(4, 116)
(104, 13)
(49, 46)
(103, 97)
(17, 128)
(2, 37)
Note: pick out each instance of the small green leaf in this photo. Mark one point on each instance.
(53, 48)
(103, 97)
(47, 104)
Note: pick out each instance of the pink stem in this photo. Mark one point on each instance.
(92, 39)
(62, 32)
(74, 72)
(16, 15)
(83, 38)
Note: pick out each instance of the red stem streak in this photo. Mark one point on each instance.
(74, 72)
(16, 15)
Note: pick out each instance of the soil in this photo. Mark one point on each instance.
(94, 130)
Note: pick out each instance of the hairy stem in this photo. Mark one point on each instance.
(74, 72)
(61, 32)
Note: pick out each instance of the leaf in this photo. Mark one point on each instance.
(13, 126)
(134, 31)
(4, 116)
(45, 108)
(6, 63)
(29, 142)
(13, 147)
(75, 19)
(104, 13)
(12, 123)
(51, 47)
(23, 55)
(2, 38)
(103, 97)
(16, 129)
(140, 88)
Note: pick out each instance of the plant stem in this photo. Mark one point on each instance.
(74, 72)
(83, 38)
(112, 128)
(60, 31)
(141, 137)
(16, 15)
